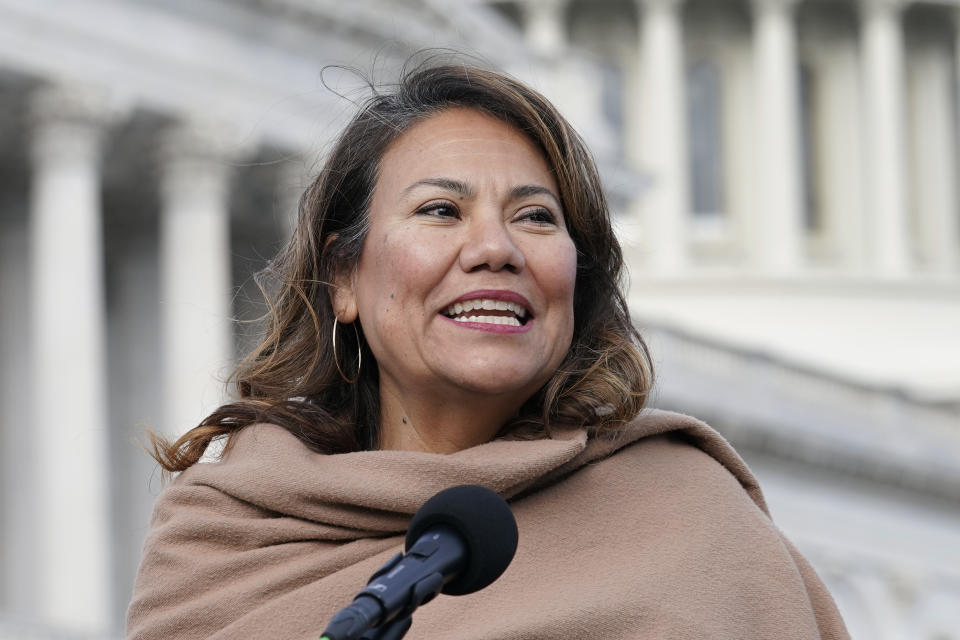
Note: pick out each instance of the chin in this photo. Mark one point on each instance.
(500, 385)
(487, 375)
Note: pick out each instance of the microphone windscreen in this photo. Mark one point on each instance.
(487, 526)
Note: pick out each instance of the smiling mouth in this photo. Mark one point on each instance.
(488, 311)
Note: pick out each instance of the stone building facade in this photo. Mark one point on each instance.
(784, 175)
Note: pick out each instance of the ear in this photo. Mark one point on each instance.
(343, 298)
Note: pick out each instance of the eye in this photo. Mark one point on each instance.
(439, 209)
(538, 215)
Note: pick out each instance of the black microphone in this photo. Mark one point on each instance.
(460, 541)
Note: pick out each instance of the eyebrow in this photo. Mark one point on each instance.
(526, 190)
(464, 190)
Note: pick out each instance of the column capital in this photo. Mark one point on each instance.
(873, 7)
(662, 5)
(550, 4)
(199, 154)
(73, 103)
(774, 6)
(199, 139)
(68, 121)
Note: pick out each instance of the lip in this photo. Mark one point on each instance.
(491, 328)
(494, 294)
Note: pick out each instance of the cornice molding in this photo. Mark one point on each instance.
(255, 63)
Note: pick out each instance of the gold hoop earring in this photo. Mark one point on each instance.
(359, 353)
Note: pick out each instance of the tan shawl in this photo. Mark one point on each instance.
(661, 533)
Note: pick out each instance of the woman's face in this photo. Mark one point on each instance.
(466, 280)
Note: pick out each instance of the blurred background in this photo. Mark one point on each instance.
(784, 179)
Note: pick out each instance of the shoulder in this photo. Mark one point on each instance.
(676, 445)
(666, 479)
(668, 516)
(671, 476)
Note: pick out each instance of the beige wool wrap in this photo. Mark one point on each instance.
(659, 533)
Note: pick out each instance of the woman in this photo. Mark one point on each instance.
(448, 312)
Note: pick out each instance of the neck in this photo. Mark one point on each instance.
(417, 422)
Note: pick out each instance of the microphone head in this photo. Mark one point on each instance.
(484, 521)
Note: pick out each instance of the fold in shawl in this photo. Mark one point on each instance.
(660, 532)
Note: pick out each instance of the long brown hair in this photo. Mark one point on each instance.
(291, 378)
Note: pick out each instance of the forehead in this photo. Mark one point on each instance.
(462, 139)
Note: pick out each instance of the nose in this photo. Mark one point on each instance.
(489, 245)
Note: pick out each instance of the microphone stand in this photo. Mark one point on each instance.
(455, 527)
(393, 630)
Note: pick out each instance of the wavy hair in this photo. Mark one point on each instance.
(291, 379)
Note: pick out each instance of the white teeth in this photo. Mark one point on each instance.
(457, 309)
(513, 322)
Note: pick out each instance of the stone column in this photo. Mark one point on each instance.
(573, 83)
(663, 138)
(882, 56)
(195, 277)
(777, 233)
(69, 417)
(952, 253)
(544, 26)
(933, 143)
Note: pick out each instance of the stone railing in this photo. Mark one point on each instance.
(769, 405)
(21, 629)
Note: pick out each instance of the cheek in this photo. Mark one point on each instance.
(559, 269)
(566, 282)
(555, 268)
(398, 277)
